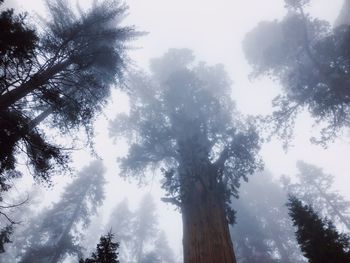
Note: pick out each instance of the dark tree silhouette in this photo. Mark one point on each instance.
(106, 251)
(315, 188)
(311, 60)
(318, 239)
(5, 234)
(181, 120)
(63, 76)
(55, 233)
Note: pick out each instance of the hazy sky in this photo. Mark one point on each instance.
(214, 30)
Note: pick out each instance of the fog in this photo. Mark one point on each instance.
(180, 41)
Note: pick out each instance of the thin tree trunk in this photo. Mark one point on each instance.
(37, 80)
(206, 237)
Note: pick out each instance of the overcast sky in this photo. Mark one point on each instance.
(214, 30)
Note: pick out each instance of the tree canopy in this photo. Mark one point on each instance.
(311, 61)
(63, 73)
(182, 119)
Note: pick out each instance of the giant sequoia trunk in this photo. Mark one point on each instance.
(206, 237)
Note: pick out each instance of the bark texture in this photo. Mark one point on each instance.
(206, 234)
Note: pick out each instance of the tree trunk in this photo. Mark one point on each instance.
(206, 237)
(37, 80)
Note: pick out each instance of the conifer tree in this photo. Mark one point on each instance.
(106, 251)
(314, 187)
(182, 120)
(55, 232)
(62, 76)
(318, 239)
(310, 60)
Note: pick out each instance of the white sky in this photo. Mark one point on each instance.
(214, 30)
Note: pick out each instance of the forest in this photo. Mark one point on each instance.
(174, 131)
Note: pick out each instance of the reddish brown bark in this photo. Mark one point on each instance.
(206, 237)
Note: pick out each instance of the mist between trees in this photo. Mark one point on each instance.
(184, 134)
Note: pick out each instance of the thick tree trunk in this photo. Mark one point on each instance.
(206, 237)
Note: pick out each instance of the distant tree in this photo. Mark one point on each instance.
(106, 251)
(181, 120)
(63, 76)
(144, 226)
(162, 250)
(318, 239)
(138, 233)
(311, 60)
(56, 231)
(263, 231)
(315, 188)
(121, 221)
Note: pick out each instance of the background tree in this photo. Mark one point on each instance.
(310, 59)
(263, 231)
(181, 119)
(106, 251)
(138, 233)
(56, 232)
(63, 76)
(121, 224)
(144, 226)
(318, 239)
(314, 187)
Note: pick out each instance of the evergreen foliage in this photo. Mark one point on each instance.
(106, 251)
(138, 233)
(263, 231)
(318, 239)
(314, 187)
(182, 120)
(311, 60)
(56, 232)
(62, 74)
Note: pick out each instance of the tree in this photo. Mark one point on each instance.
(263, 231)
(144, 226)
(55, 232)
(120, 222)
(63, 76)
(138, 233)
(17, 44)
(315, 188)
(181, 120)
(310, 59)
(106, 251)
(318, 239)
